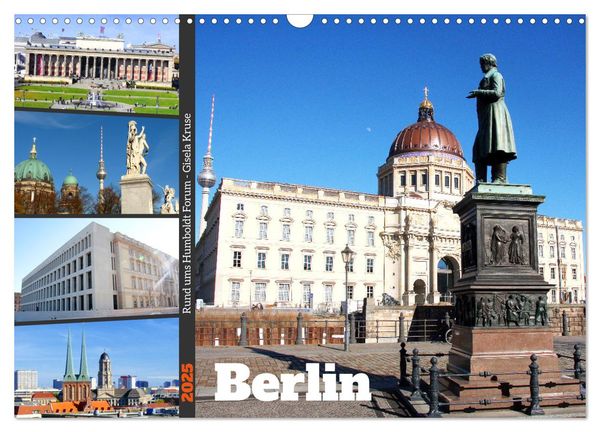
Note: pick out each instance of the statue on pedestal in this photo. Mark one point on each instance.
(495, 141)
(169, 196)
(137, 148)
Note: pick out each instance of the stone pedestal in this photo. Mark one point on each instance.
(136, 194)
(409, 298)
(501, 316)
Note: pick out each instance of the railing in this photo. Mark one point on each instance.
(321, 331)
(431, 397)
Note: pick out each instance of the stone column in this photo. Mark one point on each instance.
(434, 295)
(410, 294)
(35, 57)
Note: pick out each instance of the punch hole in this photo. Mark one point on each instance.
(300, 21)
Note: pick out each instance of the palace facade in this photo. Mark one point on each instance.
(280, 244)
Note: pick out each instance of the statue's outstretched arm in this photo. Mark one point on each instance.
(497, 90)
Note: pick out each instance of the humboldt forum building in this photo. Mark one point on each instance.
(279, 245)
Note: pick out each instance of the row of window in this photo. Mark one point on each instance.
(563, 273)
(62, 272)
(562, 252)
(147, 302)
(307, 262)
(284, 292)
(286, 232)
(64, 287)
(65, 304)
(419, 180)
(67, 254)
(308, 214)
(551, 237)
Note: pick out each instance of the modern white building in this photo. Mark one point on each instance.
(280, 244)
(26, 379)
(100, 271)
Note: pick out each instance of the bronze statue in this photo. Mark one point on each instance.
(515, 248)
(497, 244)
(512, 311)
(495, 141)
(541, 312)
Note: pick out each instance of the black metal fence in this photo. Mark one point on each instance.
(431, 396)
(246, 331)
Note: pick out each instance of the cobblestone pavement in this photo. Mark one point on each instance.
(379, 361)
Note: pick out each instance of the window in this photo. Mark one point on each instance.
(551, 236)
(563, 273)
(552, 273)
(308, 233)
(553, 296)
(285, 261)
(456, 182)
(262, 231)
(562, 237)
(284, 292)
(306, 291)
(541, 251)
(541, 270)
(369, 291)
(328, 293)
(237, 258)
(308, 262)
(328, 263)
(574, 273)
(551, 251)
(89, 259)
(286, 232)
(260, 292)
(402, 179)
(351, 237)
(437, 179)
(329, 215)
(351, 217)
(424, 179)
(370, 265)
(261, 260)
(541, 236)
(239, 228)
(240, 207)
(309, 214)
(413, 178)
(351, 265)
(371, 220)
(562, 252)
(370, 238)
(330, 235)
(235, 292)
(264, 211)
(573, 253)
(350, 292)
(572, 238)
(287, 212)
(447, 181)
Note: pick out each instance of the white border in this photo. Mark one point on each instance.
(257, 7)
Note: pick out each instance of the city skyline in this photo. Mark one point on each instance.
(58, 231)
(328, 115)
(134, 33)
(43, 348)
(60, 134)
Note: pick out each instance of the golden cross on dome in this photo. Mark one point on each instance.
(426, 91)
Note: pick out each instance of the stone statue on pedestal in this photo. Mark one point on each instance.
(168, 207)
(137, 148)
(495, 141)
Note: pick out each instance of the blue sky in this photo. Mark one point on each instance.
(322, 105)
(134, 33)
(147, 348)
(72, 142)
(161, 234)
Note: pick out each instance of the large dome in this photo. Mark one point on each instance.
(426, 136)
(70, 180)
(33, 169)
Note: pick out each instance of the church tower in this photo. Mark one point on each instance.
(70, 201)
(105, 380)
(76, 388)
(207, 178)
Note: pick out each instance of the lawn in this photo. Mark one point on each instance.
(163, 111)
(52, 89)
(149, 101)
(31, 104)
(142, 93)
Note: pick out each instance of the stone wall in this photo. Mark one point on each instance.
(576, 315)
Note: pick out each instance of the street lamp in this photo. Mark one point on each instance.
(347, 255)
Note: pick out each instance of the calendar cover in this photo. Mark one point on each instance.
(309, 216)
